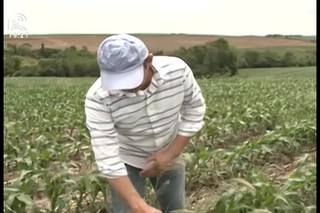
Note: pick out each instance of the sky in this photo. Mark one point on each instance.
(215, 17)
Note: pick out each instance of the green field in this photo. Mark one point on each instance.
(305, 38)
(277, 73)
(299, 51)
(256, 152)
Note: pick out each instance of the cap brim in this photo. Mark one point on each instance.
(121, 81)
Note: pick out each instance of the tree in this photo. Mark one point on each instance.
(11, 65)
(12, 48)
(273, 58)
(226, 57)
(289, 59)
(213, 58)
(25, 50)
(251, 57)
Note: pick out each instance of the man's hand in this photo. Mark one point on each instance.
(141, 206)
(157, 163)
(125, 189)
(165, 158)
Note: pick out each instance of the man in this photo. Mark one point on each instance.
(141, 114)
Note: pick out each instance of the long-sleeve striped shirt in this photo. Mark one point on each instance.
(129, 127)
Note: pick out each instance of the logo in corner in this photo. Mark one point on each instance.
(17, 26)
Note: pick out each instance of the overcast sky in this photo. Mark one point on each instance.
(219, 17)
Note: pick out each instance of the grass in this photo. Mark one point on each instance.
(277, 73)
(299, 52)
(305, 38)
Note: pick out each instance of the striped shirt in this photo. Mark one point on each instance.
(129, 127)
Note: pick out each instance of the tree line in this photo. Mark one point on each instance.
(70, 62)
(214, 58)
(219, 58)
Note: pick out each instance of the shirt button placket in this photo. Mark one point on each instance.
(150, 111)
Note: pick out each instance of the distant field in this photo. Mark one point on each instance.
(297, 50)
(277, 73)
(306, 38)
(159, 42)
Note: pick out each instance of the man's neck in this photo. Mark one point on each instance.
(148, 81)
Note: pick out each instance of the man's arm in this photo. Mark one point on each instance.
(127, 192)
(177, 146)
(192, 114)
(193, 107)
(105, 146)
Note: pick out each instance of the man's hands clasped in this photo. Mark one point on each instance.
(158, 163)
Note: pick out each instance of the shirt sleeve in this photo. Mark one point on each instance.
(193, 108)
(104, 140)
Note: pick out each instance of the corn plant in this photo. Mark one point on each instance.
(249, 125)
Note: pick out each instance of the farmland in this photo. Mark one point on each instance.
(158, 42)
(255, 152)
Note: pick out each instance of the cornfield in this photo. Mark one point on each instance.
(256, 152)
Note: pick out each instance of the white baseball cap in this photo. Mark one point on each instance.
(120, 58)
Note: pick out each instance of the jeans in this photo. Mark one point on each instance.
(169, 187)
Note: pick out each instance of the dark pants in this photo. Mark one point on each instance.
(169, 188)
